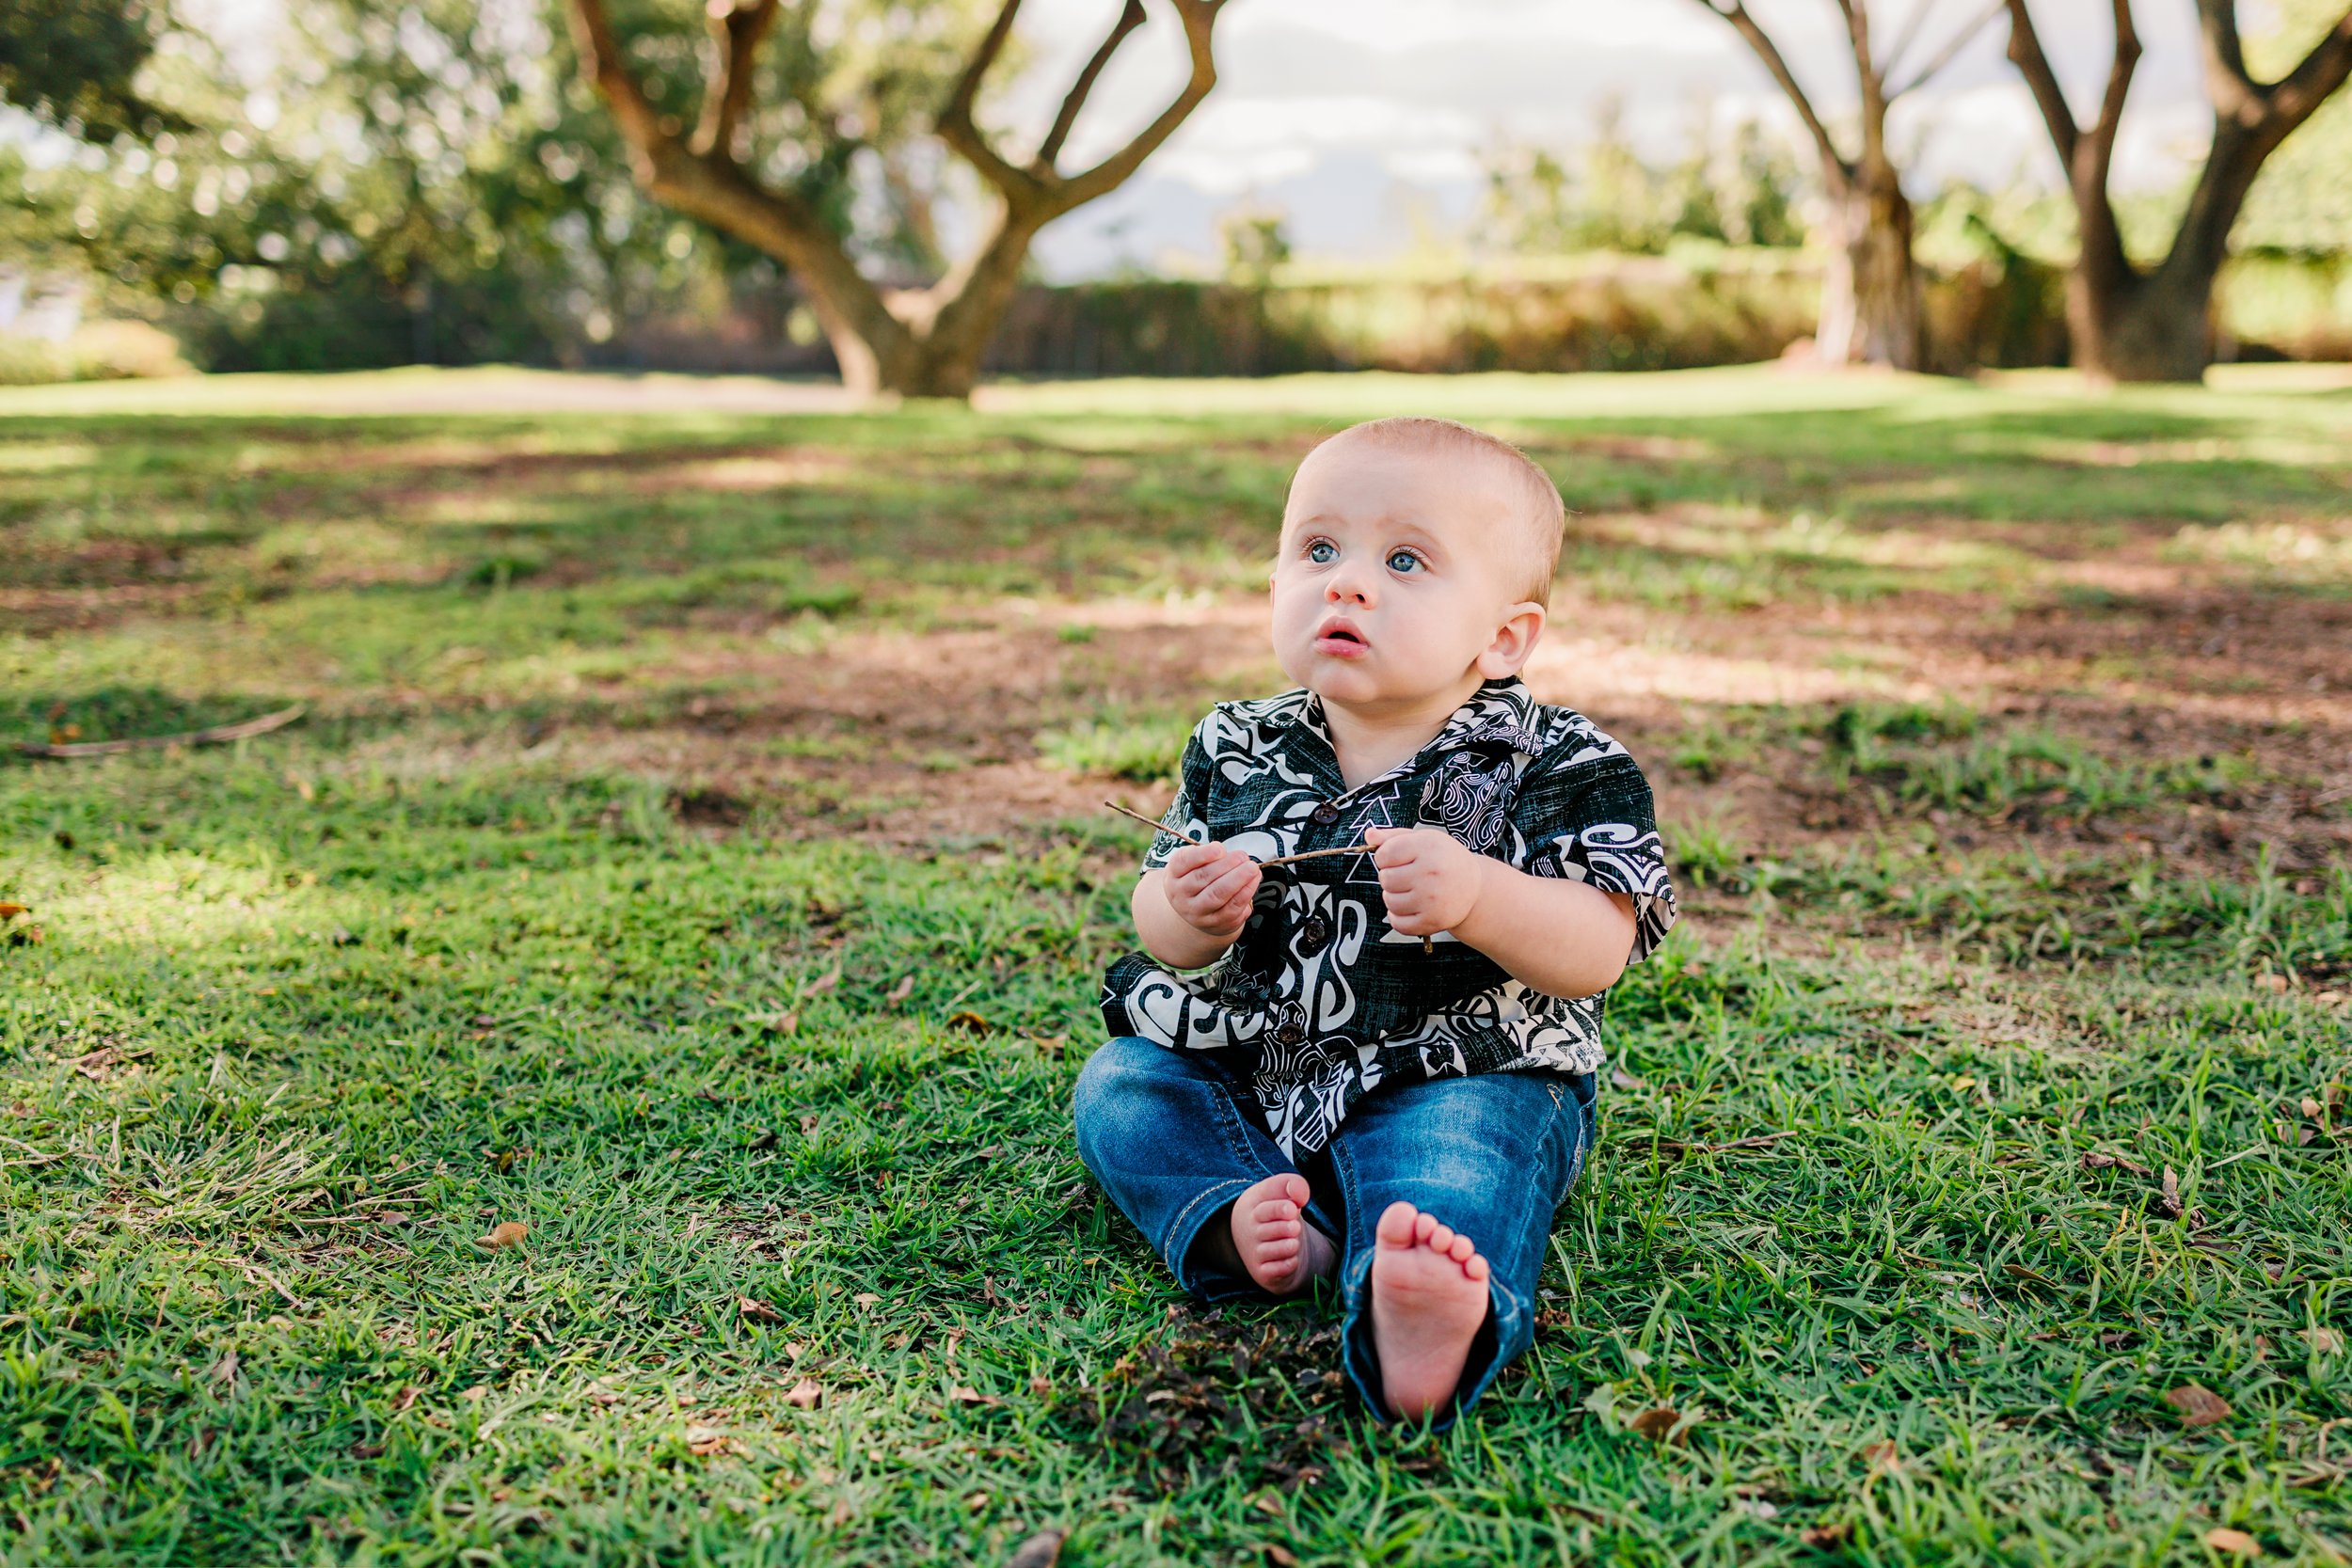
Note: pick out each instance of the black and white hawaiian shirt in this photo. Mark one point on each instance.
(1318, 998)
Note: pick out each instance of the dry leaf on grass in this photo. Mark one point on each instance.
(865, 1298)
(2326, 1341)
(476, 1394)
(901, 992)
(970, 1023)
(1657, 1423)
(779, 1023)
(1038, 1551)
(2234, 1541)
(506, 1233)
(706, 1441)
(2101, 1162)
(766, 1141)
(2198, 1406)
(1827, 1535)
(2168, 1201)
(10, 912)
(403, 1400)
(224, 1370)
(1882, 1456)
(759, 1311)
(804, 1395)
(964, 1393)
(1281, 1557)
(808, 1124)
(817, 987)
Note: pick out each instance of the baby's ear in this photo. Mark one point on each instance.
(1523, 627)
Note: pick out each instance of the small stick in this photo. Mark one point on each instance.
(1318, 854)
(1426, 945)
(244, 730)
(1153, 823)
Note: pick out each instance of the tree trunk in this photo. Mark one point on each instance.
(2152, 328)
(949, 328)
(1870, 296)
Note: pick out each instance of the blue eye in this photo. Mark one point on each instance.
(1322, 552)
(1403, 560)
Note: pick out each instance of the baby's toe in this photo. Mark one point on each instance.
(1399, 1223)
(1441, 1238)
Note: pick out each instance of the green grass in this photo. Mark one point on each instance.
(572, 905)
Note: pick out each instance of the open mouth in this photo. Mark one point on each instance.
(1340, 640)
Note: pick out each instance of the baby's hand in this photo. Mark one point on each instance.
(1211, 888)
(1428, 878)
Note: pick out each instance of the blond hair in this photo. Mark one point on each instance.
(1539, 515)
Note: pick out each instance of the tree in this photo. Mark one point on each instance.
(69, 62)
(919, 342)
(1870, 295)
(2126, 323)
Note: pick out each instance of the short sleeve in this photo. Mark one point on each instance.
(1187, 816)
(1593, 822)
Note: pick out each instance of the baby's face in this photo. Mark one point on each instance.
(1394, 576)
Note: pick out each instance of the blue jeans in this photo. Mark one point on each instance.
(1171, 1137)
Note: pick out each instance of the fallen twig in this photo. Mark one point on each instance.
(242, 731)
(1678, 1148)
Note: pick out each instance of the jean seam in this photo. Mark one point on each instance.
(1183, 1217)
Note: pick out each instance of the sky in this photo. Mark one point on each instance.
(1362, 122)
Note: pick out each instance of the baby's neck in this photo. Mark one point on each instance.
(1369, 739)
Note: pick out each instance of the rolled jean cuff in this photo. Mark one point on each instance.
(1500, 1340)
(1176, 1246)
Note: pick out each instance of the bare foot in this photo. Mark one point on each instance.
(1428, 1299)
(1277, 1247)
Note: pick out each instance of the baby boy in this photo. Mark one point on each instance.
(1378, 1066)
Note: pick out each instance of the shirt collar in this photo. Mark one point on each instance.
(1499, 712)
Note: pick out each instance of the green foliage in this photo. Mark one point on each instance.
(1742, 189)
(72, 64)
(434, 183)
(1139, 748)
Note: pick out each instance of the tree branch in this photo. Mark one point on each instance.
(2232, 89)
(1949, 53)
(1874, 84)
(1130, 17)
(2024, 53)
(715, 190)
(2083, 155)
(1199, 18)
(2250, 122)
(2294, 96)
(1912, 25)
(2126, 60)
(1759, 41)
(600, 54)
(736, 32)
(955, 126)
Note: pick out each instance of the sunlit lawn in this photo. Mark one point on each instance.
(687, 854)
